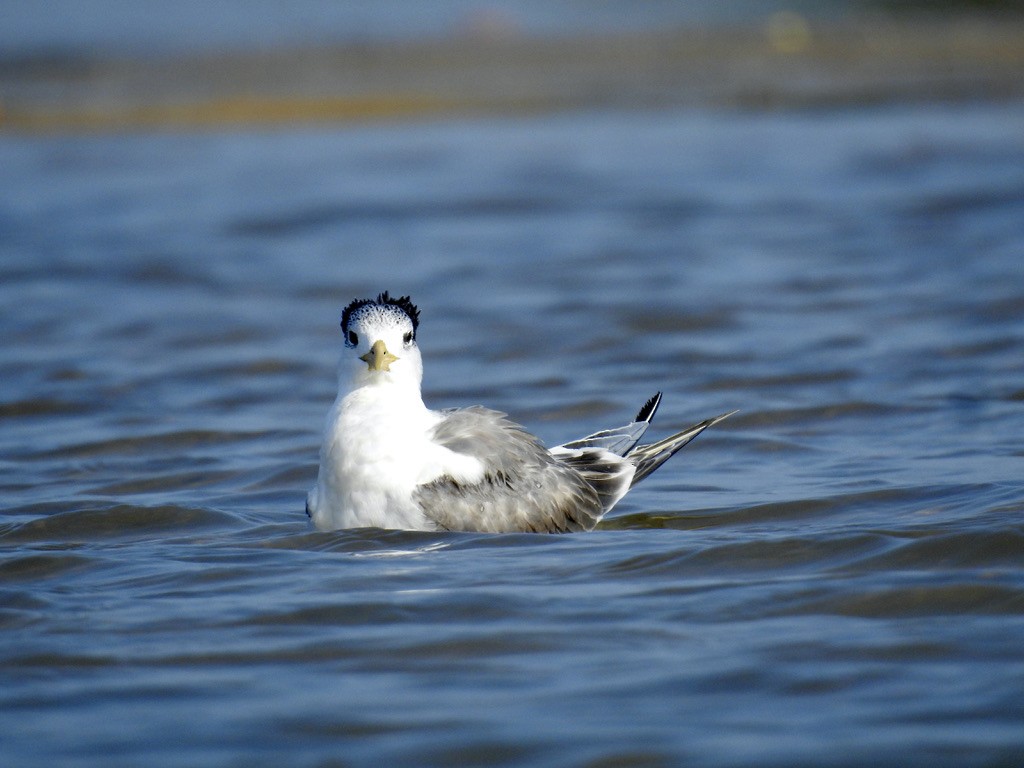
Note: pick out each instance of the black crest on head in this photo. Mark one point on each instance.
(402, 302)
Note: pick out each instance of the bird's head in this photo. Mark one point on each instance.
(380, 340)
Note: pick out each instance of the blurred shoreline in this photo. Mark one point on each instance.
(787, 62)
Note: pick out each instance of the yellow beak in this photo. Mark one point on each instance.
(378, 358)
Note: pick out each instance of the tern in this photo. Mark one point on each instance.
(388, 461)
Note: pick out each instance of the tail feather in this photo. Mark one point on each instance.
(649, 408)
(620, 440)
(650, 456)
(611, 461)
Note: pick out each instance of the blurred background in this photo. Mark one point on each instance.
(106, 64)
(809, 211)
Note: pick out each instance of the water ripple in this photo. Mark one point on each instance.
(113, 522)
(834, 575)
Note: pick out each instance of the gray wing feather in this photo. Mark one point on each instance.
(611, 473)
(608, 474)
(528, 488)
(649, 457)
(524, 488)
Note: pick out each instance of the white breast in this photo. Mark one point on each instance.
(369, 463)
(376, 451)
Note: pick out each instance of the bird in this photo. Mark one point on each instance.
(388, 461)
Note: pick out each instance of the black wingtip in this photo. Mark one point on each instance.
(646, 413)
(650, 456)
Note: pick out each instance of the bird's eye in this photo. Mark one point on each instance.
(353, 338)
(408, 338)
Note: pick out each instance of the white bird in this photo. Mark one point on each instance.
(387, 461)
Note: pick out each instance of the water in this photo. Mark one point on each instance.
(834, 576)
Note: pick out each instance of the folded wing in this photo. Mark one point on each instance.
(524, 488)
(528, 488)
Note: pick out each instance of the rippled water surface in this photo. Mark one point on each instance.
(834, 576)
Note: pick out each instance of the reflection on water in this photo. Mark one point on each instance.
(832, 576)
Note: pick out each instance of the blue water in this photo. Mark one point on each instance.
(834, 576)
